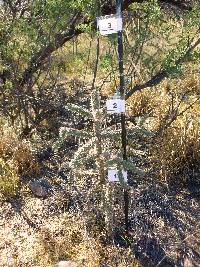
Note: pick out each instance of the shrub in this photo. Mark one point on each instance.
(18, 153)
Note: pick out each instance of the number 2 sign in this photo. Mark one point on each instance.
(115, 106)
(109, 24)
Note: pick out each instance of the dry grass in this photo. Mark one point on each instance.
(17, 153)
(176, 151)
(168, 111)
(177, 154)
(61, 237)
(16, 161)
(141, 104)
(65, 238)
(9, 181)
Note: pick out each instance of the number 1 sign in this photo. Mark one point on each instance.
(113, 175)
(109, 24)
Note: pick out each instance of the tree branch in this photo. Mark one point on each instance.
(181, 4)
(162, 74)
(60, 39)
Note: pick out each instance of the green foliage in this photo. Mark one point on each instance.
(87, 28)
(105, 61)
(159, 39)
(192, 17)
(43, 20)
(153, 39)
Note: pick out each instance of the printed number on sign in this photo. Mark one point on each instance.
(109, 24)
(114, 105)
(113, 175)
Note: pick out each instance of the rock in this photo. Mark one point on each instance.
(65, 264)
(40, 188)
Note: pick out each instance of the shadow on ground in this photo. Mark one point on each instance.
(165, 227)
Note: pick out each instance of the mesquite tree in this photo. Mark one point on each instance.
(32, 32)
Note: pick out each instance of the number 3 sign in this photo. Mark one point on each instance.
(109, 24)
(115, 106)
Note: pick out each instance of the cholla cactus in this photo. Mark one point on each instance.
(96, 145)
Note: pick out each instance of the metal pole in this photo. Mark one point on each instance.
(122, 93)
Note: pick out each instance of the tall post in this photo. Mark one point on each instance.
(122, 93)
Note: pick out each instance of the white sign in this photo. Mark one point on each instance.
(109, 24)
(115, 106)
(113, 175)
